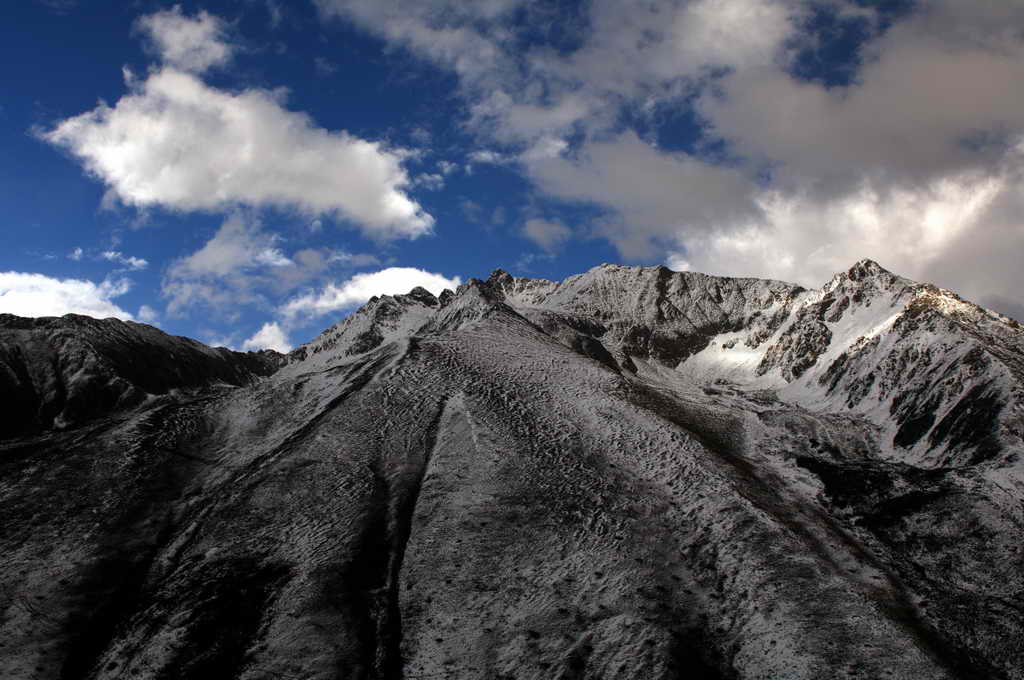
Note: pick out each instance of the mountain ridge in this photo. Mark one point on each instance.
(631, 473)
(787, 329)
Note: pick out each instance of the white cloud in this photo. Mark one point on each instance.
(190, 44)
(488, 158)
(33, 295)
(355, 260)
(148, 315)
(806, 241)
(215, 339)
(545, 147)
(272, 257)
(244, 264)
(238, 244)
(236, 267)
(449, 32)
(76, 254)
(421, 136)
(549, 235)
(430, 181)
(656, 196)
(962, 232)
(269, 336)
(173, 141)
(127, 261)
(910, 117)
(360, 288)
(918, 162)
(653, 52)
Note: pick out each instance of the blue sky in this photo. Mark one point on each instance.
(247, 172)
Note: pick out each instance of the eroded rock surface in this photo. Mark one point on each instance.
(634, 473)
(59, 372)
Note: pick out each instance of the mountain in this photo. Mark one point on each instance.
(57, 372)
(632, 473)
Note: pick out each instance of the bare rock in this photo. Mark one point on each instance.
(632, 473)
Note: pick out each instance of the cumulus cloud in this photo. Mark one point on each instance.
(126, 261)
(27, 294)
(916, 162)
(175, 142)
(76, 254)
(269, 336)
(360, 288)
(549, 235)
(806, 240)
(189, 43)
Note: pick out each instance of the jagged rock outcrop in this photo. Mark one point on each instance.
(633, 473)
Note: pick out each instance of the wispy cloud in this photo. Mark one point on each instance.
(126, 261)
(243, 264)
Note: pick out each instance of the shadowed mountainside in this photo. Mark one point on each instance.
(58, 372)
(633, 473)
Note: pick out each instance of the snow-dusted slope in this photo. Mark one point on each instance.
(634, 473)
(940, 375)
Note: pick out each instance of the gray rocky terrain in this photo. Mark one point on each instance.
(633, 473)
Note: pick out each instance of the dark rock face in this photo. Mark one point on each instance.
(65, 371)
(633, 473)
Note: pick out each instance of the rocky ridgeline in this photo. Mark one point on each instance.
(632, 473)
(59, 372)
(940, 374)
